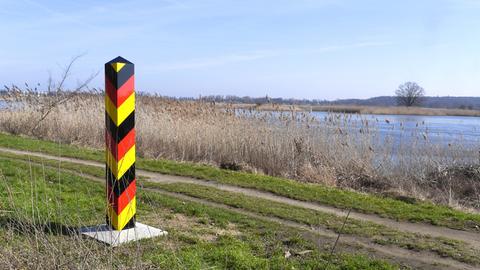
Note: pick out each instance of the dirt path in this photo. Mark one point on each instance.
(426, 229)
(417, 260)
(322, 237)
(422, 260)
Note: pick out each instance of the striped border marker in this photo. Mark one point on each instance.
(121, 225)
(120, 143)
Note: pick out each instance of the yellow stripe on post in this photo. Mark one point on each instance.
(119, 221)
(119, 168)
(118, 115)
(118, 66)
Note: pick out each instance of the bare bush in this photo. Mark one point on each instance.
(45, 102)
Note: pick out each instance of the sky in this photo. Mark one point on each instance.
(323, 49)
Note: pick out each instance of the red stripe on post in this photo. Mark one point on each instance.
(119, 150)
(118, 96)
(125, 91)
(126, 144)
(111, 91)
(119, 203)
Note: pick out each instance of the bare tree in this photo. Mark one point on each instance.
(409, 94)
(54, 96)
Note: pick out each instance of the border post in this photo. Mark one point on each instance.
(121, 226)
(120, 143)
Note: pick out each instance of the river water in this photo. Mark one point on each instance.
(435, 129)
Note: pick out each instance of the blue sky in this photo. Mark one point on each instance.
(322, 49)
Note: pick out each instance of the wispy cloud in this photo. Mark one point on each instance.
(199, 63)
(49, 16)
(464, 3)
(340, 47)
(214, 61)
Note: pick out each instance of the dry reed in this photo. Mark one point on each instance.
(339, 150)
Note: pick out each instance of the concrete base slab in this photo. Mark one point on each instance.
(105, 234)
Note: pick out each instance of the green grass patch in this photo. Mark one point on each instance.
(258, 237)
(34, 192)
(78, 168)
(424, 212)
(49, 147)
(379, 233)
(62, 165)
(38, 195)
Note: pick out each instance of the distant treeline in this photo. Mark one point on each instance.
(449, 102)
(256, 100)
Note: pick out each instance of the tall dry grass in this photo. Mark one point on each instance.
(40, 234)
(339, 150)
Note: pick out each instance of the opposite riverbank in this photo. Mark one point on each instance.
(390, 110)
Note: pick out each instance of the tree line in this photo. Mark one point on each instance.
(406, 94)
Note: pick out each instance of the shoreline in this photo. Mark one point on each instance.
(353, 109)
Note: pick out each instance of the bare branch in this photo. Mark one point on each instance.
(46, 103)
(66, 72)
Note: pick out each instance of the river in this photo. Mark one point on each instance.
(436, 129)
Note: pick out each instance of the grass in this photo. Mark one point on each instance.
(386, 207)
(49, 193)
(367, 203)
(381, 234)
(63, 165)
(376, 233)
(48, 147)
(78, 168)
(255, 240)
(37, 197)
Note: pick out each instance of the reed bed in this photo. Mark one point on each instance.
(340, 150)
